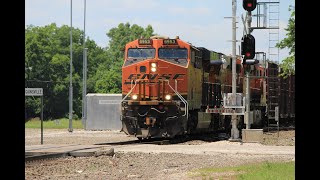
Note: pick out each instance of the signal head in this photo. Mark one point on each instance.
(248, 47)
(249, 5)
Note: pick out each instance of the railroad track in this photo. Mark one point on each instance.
(133, 142)
(157, 141)
(40, 157)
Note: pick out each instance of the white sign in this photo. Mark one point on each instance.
(276, 113)
(109, 101)
(33, 92)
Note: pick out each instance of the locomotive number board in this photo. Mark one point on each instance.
(145, 41)
(170, 42)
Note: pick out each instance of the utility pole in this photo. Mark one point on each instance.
(84, 88)
(84, 98)
(234, 120)
(70, 87)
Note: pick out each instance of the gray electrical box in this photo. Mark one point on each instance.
(103, 112)
(252, 135)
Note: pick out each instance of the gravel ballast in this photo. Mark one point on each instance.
(149, 161)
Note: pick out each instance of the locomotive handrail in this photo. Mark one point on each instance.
(130, 89)
(181, 98)
(212, 83)
(175, 85)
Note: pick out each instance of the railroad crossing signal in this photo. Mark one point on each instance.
(249, 5)
(248, 47)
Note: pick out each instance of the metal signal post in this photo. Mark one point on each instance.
(234, 119)
(70, 88)
(234, 58)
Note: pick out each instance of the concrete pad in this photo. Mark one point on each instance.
(54, 149)
(49, 149)
(92, 152)
(252, 135)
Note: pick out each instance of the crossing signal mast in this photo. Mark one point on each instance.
(248, 49)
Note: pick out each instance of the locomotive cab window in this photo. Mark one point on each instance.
(139, 54)
(174, 55)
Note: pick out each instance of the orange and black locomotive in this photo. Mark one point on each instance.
(168, 84)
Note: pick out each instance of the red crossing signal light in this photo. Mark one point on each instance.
(249, 5)
(248, 47)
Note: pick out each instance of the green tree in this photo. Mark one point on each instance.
(120, 36)
(108, 76)
(108, 80)
(47, 51)
(288, 64)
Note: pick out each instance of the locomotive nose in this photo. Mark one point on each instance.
(149, 66)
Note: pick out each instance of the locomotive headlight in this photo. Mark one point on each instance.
(134, 97)
(153, 67)
(168, 97)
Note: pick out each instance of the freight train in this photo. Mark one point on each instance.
(169, 86)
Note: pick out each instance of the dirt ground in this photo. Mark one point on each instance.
(147, 161)
(283, 138)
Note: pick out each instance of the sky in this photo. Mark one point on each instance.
(199, 22)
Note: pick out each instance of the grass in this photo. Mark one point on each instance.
(262, 171)
(54, 124)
